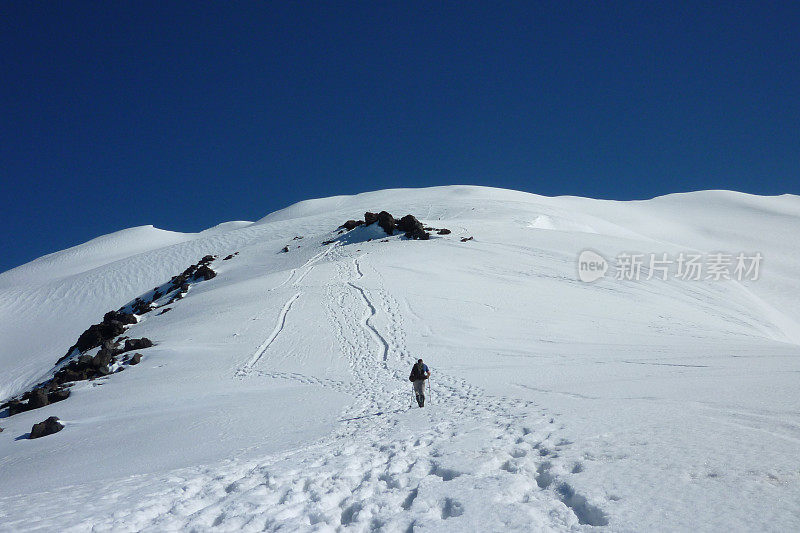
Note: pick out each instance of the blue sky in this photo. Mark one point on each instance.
(184, 115)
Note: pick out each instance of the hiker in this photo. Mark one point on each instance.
(419, 373)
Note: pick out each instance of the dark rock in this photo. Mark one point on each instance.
(205, 273)
(157, 295)
(103, 371)
(102, 359)
(285, 249)
(137, 344)
(227, 257)
(386, 221)
(38, 399)
(141, 307)
(105, 356)
(164, 310)
(110, 347)
(206, 259)
(295, 238)
(48, 427)
(125, 318)
(136, 359)
(409, 223)
(97, 333)
(1, 430)
(16, 407)
(351, 224)
(325, 243)
(58, 395)
(443, 231)
(413, 228)
(370, 218)
(465, 239)
(68, 375)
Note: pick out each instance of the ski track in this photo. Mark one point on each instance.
(259, 353)
(278, 328)
(386, 466)
(371, 312)
(284, 282)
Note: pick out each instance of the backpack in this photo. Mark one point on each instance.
(417, 371)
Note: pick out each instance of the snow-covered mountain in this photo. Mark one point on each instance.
(276, 396)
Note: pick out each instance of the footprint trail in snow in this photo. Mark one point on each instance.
(467, 461)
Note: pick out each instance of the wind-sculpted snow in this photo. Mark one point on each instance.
(277, 397)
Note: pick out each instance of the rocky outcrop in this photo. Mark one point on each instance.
(48, 427)
(106, 336)
(95, 335)
(409, 225)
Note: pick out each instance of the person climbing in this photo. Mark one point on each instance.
(419, 373)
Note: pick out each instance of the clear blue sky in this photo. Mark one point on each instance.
(187, 114)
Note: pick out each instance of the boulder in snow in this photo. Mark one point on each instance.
(413, 228)
(352, 224)
(48, 427)
(386, 221)
(137, 344)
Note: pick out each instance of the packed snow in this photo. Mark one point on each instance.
(277, 397)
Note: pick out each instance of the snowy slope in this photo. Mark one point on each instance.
(277, 394)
